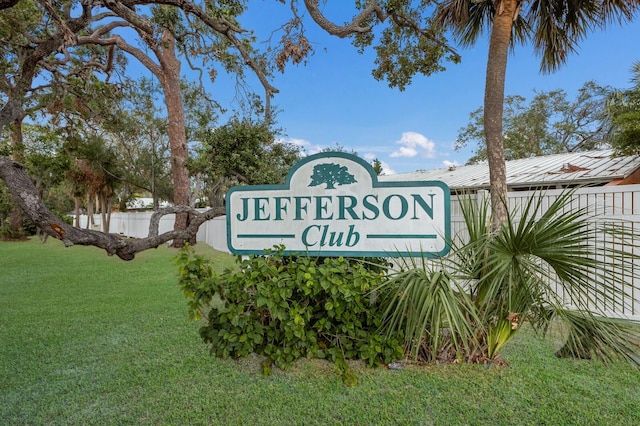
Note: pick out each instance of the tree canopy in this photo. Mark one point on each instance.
(554, 28)
(49, 49)
(549, 123)
(241, 152)
(624, 111)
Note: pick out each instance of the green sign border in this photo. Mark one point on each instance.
(375, 184)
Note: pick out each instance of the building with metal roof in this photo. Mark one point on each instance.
(591, 168)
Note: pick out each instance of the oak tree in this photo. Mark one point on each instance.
(170, 30)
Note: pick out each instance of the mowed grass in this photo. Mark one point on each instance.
(90, 339)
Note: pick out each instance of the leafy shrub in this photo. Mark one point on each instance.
(289, 307)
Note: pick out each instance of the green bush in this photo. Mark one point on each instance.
(289, 307)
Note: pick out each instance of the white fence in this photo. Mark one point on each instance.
(136, 225)
(614, 204)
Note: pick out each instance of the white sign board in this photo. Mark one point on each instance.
(332, 204)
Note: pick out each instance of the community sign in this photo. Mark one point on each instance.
(332, 204)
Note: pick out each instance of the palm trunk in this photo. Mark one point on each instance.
(105, 211)
(76, 205)
(89, 210)
(494, 106)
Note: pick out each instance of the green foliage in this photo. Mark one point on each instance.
(377, 166)
(5, 202)
(550, 266)
(624, 110)
(288, 307)
(137, 361)
(411, 45)
(516, 271)
(432, 311)
(242, 151)
(138, 128)
(549, 123)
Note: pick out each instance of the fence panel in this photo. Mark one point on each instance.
(614, 205)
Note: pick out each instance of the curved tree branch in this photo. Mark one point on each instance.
(117, 40)
(357, 24)
(26, 195)
(229, 31)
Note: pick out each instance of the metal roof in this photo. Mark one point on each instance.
(591, 167)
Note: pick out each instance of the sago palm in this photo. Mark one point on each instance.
(554, 27)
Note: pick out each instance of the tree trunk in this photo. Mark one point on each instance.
(76, 205)
(170, 81)
(494, 106)
(17, 154)
(89, 211)
(105, 211)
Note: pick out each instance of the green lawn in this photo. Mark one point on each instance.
(90, 339)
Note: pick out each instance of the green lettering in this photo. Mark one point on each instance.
(386, 206)
(301, 207)
(305, 234)
(428, 209)
(373, 208)
(280, 206)
(344, 208)
(260, 205)
(322, 207)
(245, 210)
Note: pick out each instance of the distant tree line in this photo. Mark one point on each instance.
(551, 123)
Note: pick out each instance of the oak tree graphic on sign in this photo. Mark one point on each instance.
(331, 174)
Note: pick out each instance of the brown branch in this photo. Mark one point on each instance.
(67, 34)
(6, 4)
(128, 14)
(26, 195)
(357, 24)
(118, 41)
(229, 31)
(239, 176)
(198, 218)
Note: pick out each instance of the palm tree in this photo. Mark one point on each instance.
(547, 266)
(553, 26)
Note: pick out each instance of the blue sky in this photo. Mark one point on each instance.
(333, 99)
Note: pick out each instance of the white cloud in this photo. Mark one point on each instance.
(386, 169)
(413, 144)
(306, 147)
(297, 142)
(449, 164)
(405, 151)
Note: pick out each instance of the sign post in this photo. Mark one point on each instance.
(332, 204)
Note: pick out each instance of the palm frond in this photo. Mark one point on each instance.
(606, 338)
(430, 308)
(467, 19)
(545, 255)
(559, 25)
(549, 261)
